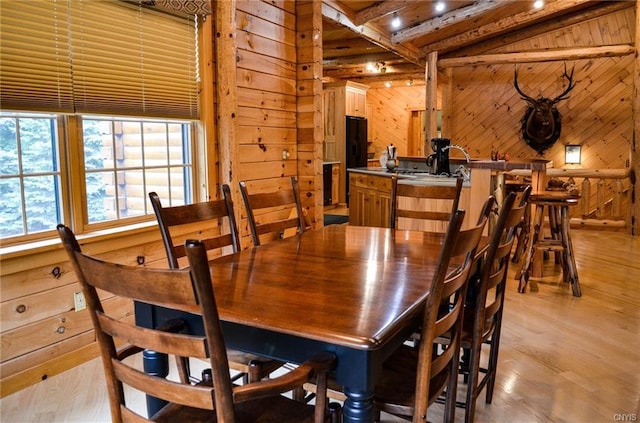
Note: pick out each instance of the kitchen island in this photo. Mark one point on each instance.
(370, 197)
(370, 188)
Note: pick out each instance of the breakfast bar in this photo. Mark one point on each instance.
(370, 187)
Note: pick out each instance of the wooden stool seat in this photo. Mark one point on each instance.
(557, 204)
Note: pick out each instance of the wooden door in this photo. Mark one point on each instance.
(415, 146)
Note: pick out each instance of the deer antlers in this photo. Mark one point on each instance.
(562, 96)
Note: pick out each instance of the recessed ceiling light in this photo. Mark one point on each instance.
(387, 84)
(440, 6)
(395, 22)
(538, 4)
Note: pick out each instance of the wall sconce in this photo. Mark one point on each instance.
(572, 154)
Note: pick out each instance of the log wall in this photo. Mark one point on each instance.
(267, 132)
(486, 110)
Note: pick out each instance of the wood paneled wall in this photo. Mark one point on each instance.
(267, 131)
(487, 110)
(389, 111)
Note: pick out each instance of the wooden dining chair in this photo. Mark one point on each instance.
(214, 400)
(422, 207)
(482, 321)
(414, 377)
(273, 215)
(523, 229)
(205, 220)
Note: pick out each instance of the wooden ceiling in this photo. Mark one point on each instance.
(357, 32)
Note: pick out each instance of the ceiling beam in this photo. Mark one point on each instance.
(449, 18)
(351, 46)
(351, 61)
(502, 26)
(417, 78)
(361, 71)
(540, 56)
(476, 34)
(379, 10)
(335, 13)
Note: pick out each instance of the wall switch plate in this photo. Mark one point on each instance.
(78, 300)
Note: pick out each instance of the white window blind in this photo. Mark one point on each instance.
(104, 57)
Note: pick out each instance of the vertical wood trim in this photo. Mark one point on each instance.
(226, 95)
(309, 121)
(635, 136)
(226, 88)
(432, 100)
(207, 179)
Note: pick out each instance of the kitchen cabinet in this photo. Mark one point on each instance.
(370, 200)
(356, 101)
(341, 99)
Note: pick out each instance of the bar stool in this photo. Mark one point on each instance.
(557, 203)
(523, 229)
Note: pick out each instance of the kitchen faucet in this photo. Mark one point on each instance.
(457, 147)
(461, 170)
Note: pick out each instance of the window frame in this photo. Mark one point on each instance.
(72, 180)
(77, 176)
(72, 176)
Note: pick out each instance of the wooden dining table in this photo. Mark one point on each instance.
(355, 291)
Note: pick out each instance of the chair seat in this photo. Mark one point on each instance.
(399, 382)
(466, 335)
(554, 196)
(240, 360)
(266, 410)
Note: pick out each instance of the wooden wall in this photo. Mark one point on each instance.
(598, 114)
(252, 74)
(389, 111)
(266, 81)
(487, 110)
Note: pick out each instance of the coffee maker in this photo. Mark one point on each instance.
(439, 160)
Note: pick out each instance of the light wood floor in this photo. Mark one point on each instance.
(562, 359)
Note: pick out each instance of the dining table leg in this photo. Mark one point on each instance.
(358, 407)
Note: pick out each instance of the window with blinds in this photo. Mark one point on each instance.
(98, 107)
(102, 57)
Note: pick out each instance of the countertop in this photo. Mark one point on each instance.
(532, 164)
(418, 179)
(535, 164)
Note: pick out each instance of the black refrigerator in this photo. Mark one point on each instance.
(356, 153)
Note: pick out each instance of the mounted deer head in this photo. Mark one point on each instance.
(541, 122)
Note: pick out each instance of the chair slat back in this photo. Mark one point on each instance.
(189, 290)
(204, 221)
(272, 215)
(411, 201)
(489, 299)
(438, 367)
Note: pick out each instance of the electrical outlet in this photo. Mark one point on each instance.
(78, 300)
